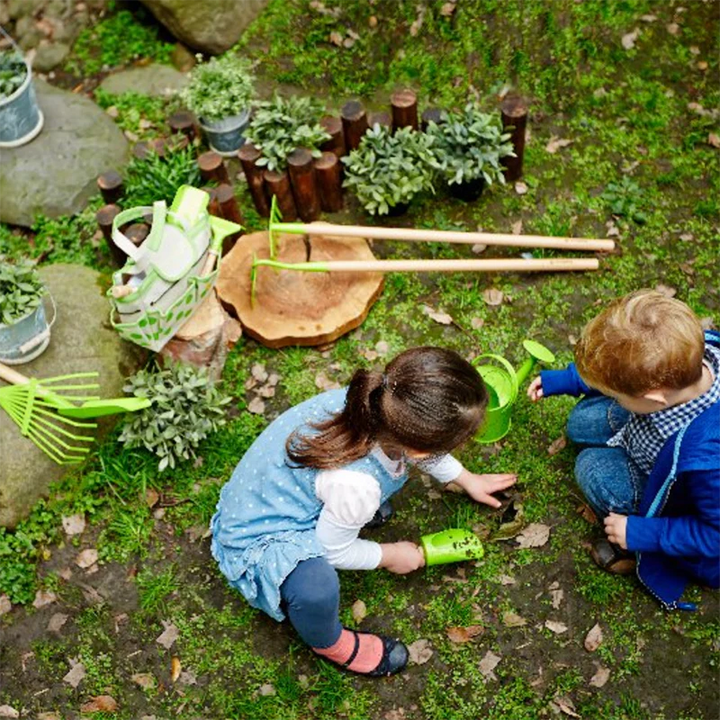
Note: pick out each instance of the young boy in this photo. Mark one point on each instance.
(650, 424)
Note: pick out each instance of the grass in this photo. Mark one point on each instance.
(636, 148)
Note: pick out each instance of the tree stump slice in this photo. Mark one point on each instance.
(298, 308)
(204, 340)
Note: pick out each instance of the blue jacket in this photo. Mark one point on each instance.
(676, 532)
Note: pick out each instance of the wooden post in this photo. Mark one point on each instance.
(229, 210)
(136, 233)
(301, 169)
(183, 122)
(111, 186)
(514, 119)
(336, 143)
(105, 216)
(404, 109)
(354, 122)
(213, 205)
(278, 184)
(329, 178)
(249, 155)
(212, 168)
(380, 118)
(431, 114)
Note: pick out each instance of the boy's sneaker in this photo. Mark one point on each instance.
(612, 558)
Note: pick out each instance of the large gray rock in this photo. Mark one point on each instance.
(81, 340)
(151, 80)
(211, 26)
(55, 174)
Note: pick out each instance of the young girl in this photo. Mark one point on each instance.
(292, 511)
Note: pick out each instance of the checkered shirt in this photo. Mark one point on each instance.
(643, 436)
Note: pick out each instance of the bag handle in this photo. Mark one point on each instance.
(138, 254)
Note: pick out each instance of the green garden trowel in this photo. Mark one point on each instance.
(449, 546)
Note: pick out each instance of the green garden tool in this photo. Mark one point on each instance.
(503, 384)
(449, 546)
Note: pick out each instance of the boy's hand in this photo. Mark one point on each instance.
(616, 529)
(482, 487)
(535, 391)
(401, 557)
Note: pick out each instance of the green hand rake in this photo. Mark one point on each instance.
(50, 417)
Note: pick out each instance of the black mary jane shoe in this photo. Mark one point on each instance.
(394, 659)
(381, 516)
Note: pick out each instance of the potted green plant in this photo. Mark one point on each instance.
(282, 125)
(387, 170)
(20, 116)
(470, 145)
(220, 93)
(24, 329)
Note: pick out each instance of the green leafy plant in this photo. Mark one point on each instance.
(470, 145)
(21, 290)
(156, 177)
(185, 409)
(389, 169)
(220, 88)
(625, 198)
(12, 72)
(282, 125)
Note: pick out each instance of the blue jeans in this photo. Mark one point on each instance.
(311, 598)
(603, 473)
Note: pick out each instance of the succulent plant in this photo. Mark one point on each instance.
(21, 290)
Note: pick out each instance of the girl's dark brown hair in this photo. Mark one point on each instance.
(428, 399)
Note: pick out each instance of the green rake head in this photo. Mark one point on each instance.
(278, 265)
(276, 225)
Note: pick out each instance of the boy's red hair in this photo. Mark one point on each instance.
(641, 342)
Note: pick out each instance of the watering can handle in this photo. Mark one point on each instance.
(159, 211)
(508, 367)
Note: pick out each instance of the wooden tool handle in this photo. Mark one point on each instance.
(12, 376)
(499, 265)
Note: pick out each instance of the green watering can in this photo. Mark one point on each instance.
(449, 546)
(503, 384)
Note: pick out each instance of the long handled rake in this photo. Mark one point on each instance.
(276, 225)
(47, 414)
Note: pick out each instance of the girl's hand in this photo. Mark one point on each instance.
(616, 529)
(535, 391)
(401, 557)
(482, 487)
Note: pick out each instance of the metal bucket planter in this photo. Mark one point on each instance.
(226, 136)
(467, 191)
(26, 338)
(20, 117)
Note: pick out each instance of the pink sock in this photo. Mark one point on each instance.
(368, 656)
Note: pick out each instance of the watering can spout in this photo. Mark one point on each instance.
(538, 354)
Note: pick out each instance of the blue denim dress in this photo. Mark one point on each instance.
(266, 516)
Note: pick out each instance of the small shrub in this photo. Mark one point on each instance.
(625, 198)
(21, 290)
(390, 169)
(283, 125)
(185, 409)
(220, 88)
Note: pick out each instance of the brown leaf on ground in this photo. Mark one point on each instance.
(369, 354)
(556, 143)
(464, 634)
(56, 622)
(100, 703)
(714, 140)
(600, 678)
(420, 651)
(5, 605)
(151, 497)
(521, 188)
(168, 636)
(144, 680)
(266, 391)
(512, 619)
(476, 323)
(557, 445)
(517, 227)
(448, 9)
(259, 372)
(507, 580)
(175, 668)
(666, 290)
(43, 598)
(382, 347)
(336, 38)
(73, 524)
(267, 689)
(437, 315)
(587, 513)
(557, 595)
(478, 248)
(75, 675)
(7, 711)
(256, 406)
(322, 382)
(534, 535)
(556, 627)
(594, 638)
(628, 40)
(673, 28)
(187, 677)
(49, 716)
(493, 296)
(488, 664)
(565, 705)
(359, 611)
(395, 714)
(86, 558)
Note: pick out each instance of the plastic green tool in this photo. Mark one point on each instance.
(449, 546)
(503, 384)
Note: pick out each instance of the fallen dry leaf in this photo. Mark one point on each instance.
(447, 9)
(478, 248)
(7, 711)
(673, 28)
(628, 40)
(594, 638)
(48, 716)
(507, 580)
(556, 143)
(587, 513)
(75, 675)
(168, 636)
(382, 347)
(56, 622)
(336, 38)
(557, 595)
(520, 187)
(437, 315)
(493, 296)
(259, 372)
(322, 382)
(359, 611)
(187, 677)
(145, 680)
(714, 140)
(43, 598)
(666, 290)
(100, 703)
(517, 227)
(152, 497)
(73, 524)
(557, 627)
(5, 604)
(372, 21)
(557, 445)
(267, 689)
(175, 668)
(534, 535)
(476, 323)
(565, 705)
(256, 406)
(512, 619)
(266, 391)
(488, 664)
(600, 678)
(648, 18)
(464, 634)
(86, 558)
(420, 651)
